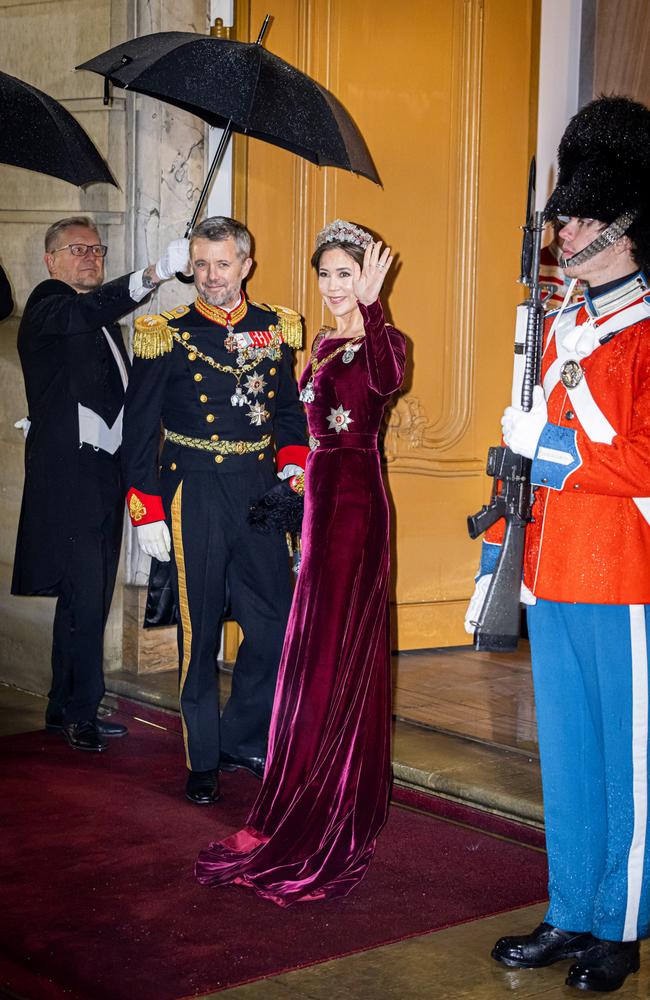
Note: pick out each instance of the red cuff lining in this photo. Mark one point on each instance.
(144, 508)
(292, 454)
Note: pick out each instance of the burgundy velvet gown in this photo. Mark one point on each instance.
(311, 833)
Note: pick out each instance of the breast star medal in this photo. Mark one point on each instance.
(571, 374)
(255, 384)
(339, 419)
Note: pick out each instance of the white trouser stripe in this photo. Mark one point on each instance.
(639, 768)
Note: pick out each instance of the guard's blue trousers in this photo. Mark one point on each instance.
(590, 668)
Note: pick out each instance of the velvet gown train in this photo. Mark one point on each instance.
(311, 833)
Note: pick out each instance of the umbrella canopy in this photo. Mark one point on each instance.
(242, 85)
(36, 132)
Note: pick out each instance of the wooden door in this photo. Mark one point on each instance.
(443, 91)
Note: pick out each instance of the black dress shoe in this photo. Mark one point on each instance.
(255, 765)
(83, 736)
(112, 729)
(605, 966)
(202, 787)
(545, 945)
(54, 724)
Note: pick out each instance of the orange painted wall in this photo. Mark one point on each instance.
(443, 93)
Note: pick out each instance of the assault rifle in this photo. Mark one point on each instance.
(497, 628)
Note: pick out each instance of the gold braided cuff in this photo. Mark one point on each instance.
(219, 447)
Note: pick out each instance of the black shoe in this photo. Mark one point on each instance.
(255, 765)
(54, 724)
(83, 736)
(605, 966)
(545, 945)
(112, 729)
(202, 787)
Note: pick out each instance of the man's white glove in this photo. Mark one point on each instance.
(477, 600)
(154, 540)
(175, 258)
(290, 470)
(521, 430)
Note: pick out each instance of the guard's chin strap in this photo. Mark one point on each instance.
(609, 236)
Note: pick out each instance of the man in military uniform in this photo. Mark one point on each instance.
(76, 369)
(587, 557)
(218, 374)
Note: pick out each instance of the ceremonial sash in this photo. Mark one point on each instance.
(594, 422)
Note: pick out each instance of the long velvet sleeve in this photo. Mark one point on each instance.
(386, 350)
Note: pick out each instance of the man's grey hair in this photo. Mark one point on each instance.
(219, 228)
(52, 235)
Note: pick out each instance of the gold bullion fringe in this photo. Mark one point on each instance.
(291, 325)
(152, 337)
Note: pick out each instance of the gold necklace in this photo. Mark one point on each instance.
(348, 350)
(239, 398)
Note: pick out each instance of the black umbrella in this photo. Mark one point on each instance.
(36, 132)
(240, 87)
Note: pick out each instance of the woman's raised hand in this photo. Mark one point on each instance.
(368, 279)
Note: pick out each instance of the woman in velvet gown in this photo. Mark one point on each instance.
(311, 833)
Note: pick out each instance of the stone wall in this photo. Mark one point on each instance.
(157, 156)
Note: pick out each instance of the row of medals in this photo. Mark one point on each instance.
(255, 383)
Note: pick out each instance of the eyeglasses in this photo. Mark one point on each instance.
(81, 249)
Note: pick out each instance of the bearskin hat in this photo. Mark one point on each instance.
(604, 168)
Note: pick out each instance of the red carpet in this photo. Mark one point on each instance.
(99, 901)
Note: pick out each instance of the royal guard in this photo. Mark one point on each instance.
(217, 376)
(587, 557)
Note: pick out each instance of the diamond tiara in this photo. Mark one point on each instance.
(341, 231)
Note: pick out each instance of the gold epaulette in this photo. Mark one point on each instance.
(290, 323)
(176, 313)
(152, 337)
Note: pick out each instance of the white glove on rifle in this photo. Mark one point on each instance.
(154, 540)
(476, 602)
(175, 258)
(521, 429)
(477, 599)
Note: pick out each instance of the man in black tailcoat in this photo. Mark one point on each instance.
(76, 370)
(218, 374)
(6, 298)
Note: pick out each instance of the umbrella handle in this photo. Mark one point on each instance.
(216, 162)
(186, 279)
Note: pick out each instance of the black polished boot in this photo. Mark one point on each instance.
(605, 966)
(202, 787)
(543, 946)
